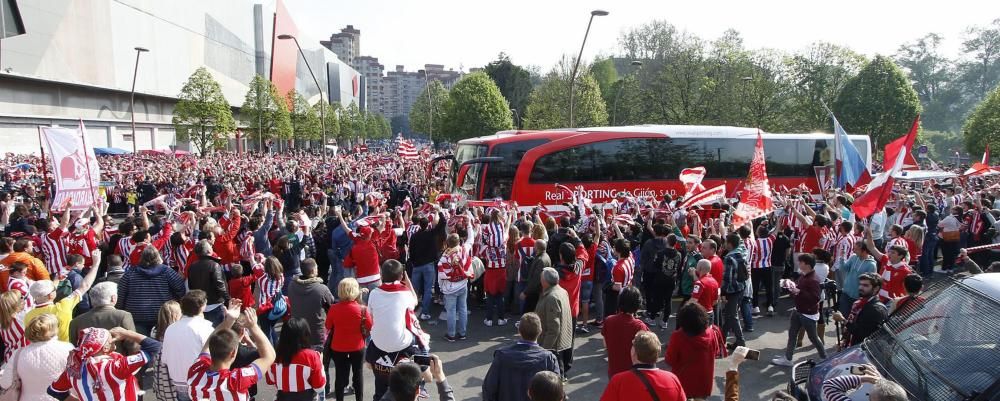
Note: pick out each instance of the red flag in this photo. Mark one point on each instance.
(983, 167)
(880, 189)
(755, 200)
(691, 177)
(704, 197)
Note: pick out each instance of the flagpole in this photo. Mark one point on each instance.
(86, 158)
(836, 145)
(45, 177)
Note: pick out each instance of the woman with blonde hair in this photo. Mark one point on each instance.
(170, 312)
(914, 238)
(40, 363)
(12, 313)
(348, 324)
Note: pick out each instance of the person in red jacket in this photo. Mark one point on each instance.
(225, 237)
(692, 350)
(644, 379)
(364, 258)
(349, 324)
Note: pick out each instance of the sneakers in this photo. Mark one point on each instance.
(596, 323)
(770, 311)
(502, 322)
(462, 337)
(664, 326)
(424, 316)
(582, 329)
(488, 323)
(781, 361)
(449, 338)
(756, 310)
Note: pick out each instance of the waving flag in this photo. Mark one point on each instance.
(880, 189)
(755, 200)
(850, 165)
(704, 197)
(981, 168)
(405, 149)
(691, 177)
(73, 164)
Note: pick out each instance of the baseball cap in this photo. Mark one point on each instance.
(41, 289)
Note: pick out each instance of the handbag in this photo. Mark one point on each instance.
(364, 319)
(950, 236)
(12, 393)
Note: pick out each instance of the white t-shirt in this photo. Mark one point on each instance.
(390, 306)
(183, 342)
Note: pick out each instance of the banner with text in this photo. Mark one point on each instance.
(74, 166)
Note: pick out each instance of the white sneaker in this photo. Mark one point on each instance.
(781, 361)
(502, 322)
(424, 316)
(443, 316)
(756, 310)
(488, 323)
(770, 311)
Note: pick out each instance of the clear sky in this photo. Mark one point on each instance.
(470, 33)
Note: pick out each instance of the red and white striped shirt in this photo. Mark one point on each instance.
(622, 272)
(898, 241)
(124, 249)
(104, 378)
(305, 372)
(525, 250)
(53, 245)
(222, 385)
(268, 287)
(247, 249)
(843, 250)
(493, 237)
(13, 336)
(760, 252)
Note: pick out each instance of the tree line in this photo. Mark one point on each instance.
(204, 117)
(663, 75)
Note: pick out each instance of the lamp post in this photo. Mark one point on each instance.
(430, 108)
(131, 101)
(517, 118)
(614, 116)
(322, 111)
(743, 102)
(572, 75)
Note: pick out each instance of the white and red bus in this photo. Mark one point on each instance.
(524, 166)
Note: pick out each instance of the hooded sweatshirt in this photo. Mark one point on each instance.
(310, 299)
(692, 359)
(142, 290)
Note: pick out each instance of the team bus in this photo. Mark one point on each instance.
(641, 161)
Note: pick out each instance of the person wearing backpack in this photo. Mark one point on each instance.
(661, 282)
(650, 257)
(734, 284)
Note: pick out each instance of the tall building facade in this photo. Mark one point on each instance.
(390, 93)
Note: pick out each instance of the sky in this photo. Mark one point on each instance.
(463, 34)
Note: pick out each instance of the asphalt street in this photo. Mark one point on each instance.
(466, 362)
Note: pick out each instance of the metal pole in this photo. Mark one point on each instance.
(572, 75)
(131, 102)
(430, 109)
(614, 115)
(322, 114)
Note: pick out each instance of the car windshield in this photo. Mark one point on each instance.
(943, 345)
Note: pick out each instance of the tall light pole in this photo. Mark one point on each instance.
(614, 116)
(743, 102)
(131, 101)
(430, 109)
(322, 111)
(572, 75)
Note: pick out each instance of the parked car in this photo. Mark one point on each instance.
(945, 349)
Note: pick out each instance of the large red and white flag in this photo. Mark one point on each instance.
(406, 150)
(691, 177)
(982, 167)
(880, 189)
(74, 166)
(704, 197)
(755, 200)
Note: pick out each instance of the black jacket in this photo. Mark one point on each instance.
(869, 320)
(648, 252)
(425, 245)
(206, 274)
(512, 369)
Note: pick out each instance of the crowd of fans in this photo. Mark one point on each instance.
(207, 277)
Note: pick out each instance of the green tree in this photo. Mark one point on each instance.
(549, 103)
(377, 126)
(604, 72)
(983, 125)
(933, 78)
(514, 82)
(624, 103)
(818, 75)
(331, 114)
(419, 116)
(475, 107)
(980, 71)
(306, 125)
(265, 111)
(352, 124)
(942, 145)
(400, 123)
(202, 114)
(879, 101)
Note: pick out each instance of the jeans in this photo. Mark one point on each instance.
(730, 320)
(423, 283)
(348, 365)
(798, 322)
(518, 290)
(456, 304)
(928, 255)
(762, 278)
(267, 326)
(949, 252)
(494, 307)
(598, 297)
(747, 311)
(336, 271)
(659, 290)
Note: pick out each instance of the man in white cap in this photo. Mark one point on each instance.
(83, 237)
(43, 292)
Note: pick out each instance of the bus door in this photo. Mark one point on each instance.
(433, 164)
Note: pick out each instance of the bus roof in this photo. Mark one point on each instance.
(678, 131)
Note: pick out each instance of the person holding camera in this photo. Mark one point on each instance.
(806, 294)
(406, 378)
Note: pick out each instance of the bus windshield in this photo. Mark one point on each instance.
(464, 153)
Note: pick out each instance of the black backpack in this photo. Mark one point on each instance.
(667, 264)
(742, 270)
(526, 261)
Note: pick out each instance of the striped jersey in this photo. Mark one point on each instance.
(760, 252)
(493, 238)
(104, 378)
(525, 251)
(124, 249)
(247, 249)
(898, 241)
(53, 245)
(13, 336)
(843, 250)
(622, 273)
(267, 287)
(21, 285)
(222, 385)
(305, 372)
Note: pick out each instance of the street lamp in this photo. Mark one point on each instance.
(614, 116)
(322, 111)
(743, 102)
(131, 102)
(430, 109)
(517, 118)
(572, 75)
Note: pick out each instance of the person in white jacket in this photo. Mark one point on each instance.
(40, 363)
(454, 271)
